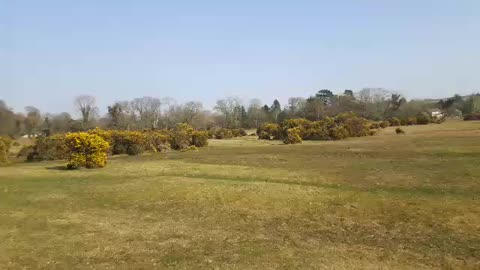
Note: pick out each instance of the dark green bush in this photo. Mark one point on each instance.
(158, 140)
(423, 119)
(16, 144)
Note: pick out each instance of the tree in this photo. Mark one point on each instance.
(349, 93)
(148, 110)
(275, 110)
(190, 111)
(33, 120)
(296, 107)
(256, 115)
(229, 108)
(325, 96)
(86, 105)
(7, 120)
(315, 108)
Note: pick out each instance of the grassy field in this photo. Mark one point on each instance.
(384, 202)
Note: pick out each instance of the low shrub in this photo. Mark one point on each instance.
(394, 121)
(374, 125)
(411, 121)
(384, 124)
(181, 136)
(399, 131)
(25, 151)
(293, 136)
(338, 133)
(16, 143)
(423, 119)
(356, 126)
(472, 116)
(273, 130)
(372, 132)
(403, 122)
(223, 133)
(7, 142)
(127, 142)
(86, 150)
(157, 141)
(264, 135)
(48, 148)
(243, 132)
(200, 138)
(3, 153)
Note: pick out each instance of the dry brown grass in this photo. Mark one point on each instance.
(382, 202)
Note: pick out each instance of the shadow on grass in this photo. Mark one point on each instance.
(57, 168)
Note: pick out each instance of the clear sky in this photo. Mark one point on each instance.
(52, 51)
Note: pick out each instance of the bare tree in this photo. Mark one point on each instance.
(149, 111)
(86, 105)
(230, 109)
(191, 110)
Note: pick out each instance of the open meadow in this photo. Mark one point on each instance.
(387, 201)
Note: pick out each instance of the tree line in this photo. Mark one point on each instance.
(155, 113)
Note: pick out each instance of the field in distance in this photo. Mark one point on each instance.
(389, 201)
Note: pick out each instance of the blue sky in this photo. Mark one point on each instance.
(52, 51)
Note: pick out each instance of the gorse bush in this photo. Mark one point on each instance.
(3, 153)
(293, 136)
(270, 131)
(200, 138)
(7, 142)
(89, 148)
(399, 131)
(223, 133)
(158, 140)
(394, 121)
(48, 148)
(340, 127)
(86, 150)
(384, 124)
(181, 136)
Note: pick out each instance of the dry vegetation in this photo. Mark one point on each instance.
(379, 202)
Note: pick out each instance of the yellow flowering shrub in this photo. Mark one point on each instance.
(181, 136)
(293, 136)
(158, 140)
(200, 138)
(86, 150)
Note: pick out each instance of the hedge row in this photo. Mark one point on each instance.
(89, 149)
(295, 130)
(225, 133)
